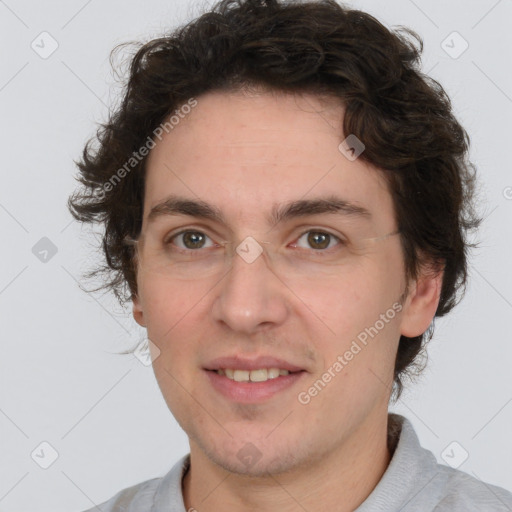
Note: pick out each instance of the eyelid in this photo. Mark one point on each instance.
(204, 230)
(303, 230)
(168, 239)
(321, 253)
(322, 231)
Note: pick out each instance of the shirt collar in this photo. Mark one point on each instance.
(410, 470)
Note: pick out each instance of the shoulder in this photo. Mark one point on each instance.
(163, 493)
(415, 481)
(461, 491)
(138, 497)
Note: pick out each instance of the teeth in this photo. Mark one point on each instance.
(259, 375)
(272, 373)
(241, 376)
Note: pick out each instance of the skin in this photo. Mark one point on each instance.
(244, 152)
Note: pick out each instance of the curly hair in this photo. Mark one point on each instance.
(404, 117)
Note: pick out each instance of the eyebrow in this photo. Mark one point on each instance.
(177, 205)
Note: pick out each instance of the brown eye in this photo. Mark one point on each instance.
(189, 240)
(193, 239)
(318, 240)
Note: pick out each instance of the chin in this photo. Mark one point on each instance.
(261, 468)
(254, 458)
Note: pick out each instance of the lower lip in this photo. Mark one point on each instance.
(252, 392)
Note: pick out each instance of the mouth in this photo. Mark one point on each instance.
(258, 375)
(252, 381)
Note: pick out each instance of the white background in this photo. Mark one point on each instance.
(61, 380)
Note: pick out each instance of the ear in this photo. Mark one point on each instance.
(421, 303)
(138, 313)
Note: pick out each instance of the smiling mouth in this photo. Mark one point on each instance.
(258, 375)
(255, 385)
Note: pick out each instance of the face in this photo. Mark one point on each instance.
(275, 305)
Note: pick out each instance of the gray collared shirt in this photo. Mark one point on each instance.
(413, 482)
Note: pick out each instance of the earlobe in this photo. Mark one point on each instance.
(421, 304)
(138, 314)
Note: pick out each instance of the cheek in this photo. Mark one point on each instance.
(343, 306)
(169, 309)
(169, 304)
(357, 315)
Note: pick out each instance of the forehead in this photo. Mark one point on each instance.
(247, 153)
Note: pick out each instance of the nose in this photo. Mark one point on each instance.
(250, 296)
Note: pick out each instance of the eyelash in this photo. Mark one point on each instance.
(318, 252)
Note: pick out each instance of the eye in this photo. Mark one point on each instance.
(319, 240)
(190, 239)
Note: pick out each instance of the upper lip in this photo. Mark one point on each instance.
(239, 363)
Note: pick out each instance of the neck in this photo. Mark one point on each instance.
(340, 481)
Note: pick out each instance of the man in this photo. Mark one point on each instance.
(286, 201)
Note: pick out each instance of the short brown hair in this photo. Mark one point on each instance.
(403, 117)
